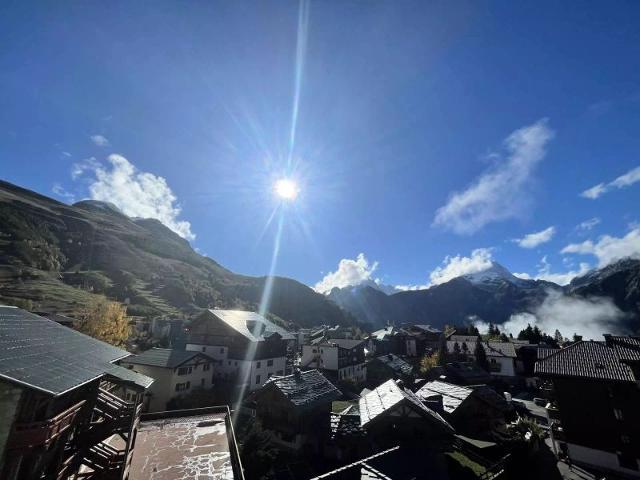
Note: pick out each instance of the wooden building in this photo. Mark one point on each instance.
(296, 408)
(479, 412)
(596, 388)
(59, 404)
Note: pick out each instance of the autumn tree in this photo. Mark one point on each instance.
(104, 320)
(428, 362)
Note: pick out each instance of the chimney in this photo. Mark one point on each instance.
(607, 339)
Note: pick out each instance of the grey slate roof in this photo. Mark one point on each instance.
(383, 332)
(468, 339)
(594, 360)
(345, 425)
(344, 343)
(42, 354)
(499, 349)
(251, 324)
(164, 357)
(396, 363)
(452, 395)
(427, 328)
(386, 397)
(305, 389)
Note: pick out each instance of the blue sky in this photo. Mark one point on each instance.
(429, 136)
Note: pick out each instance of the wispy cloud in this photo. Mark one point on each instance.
(532, 240)
(60, 191)
(135, 193)
(608, 249)
(588, 225)
(100, 140)
(452, 267)
(623, 181)
(350, 272)
(502, 192)
(560, 278)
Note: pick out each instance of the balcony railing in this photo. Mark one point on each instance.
(33, 434)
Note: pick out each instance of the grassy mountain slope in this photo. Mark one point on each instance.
(56, 257)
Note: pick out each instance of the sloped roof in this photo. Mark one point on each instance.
(165, 357)
(251, 325)
(305, 389)
(396, 363)
(42, 354)
(383, 332)
(345, 425)
(345, 343)
(499, 349)
(544, 352)
(387, 396)
(129, 376)
(463, 338)
(452, 395)
(590, 359)
(427, 328)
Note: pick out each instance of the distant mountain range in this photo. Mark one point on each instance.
(56, 257)
(492, 295)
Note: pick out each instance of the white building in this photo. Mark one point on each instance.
(175, 373)
(501, 355)
(247, 348)
(343, 358)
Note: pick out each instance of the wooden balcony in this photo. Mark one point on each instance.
(34, 434)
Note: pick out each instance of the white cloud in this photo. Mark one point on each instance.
(457, 266)
(623, 181)
(100, 140)
(135, 193)
(406, 288)
(532, 240)
(349, 273)
(590, 317)
(565, 278)
(588, 224)
(609, 249)
(502, 192)
(66, 154)
(60, 191)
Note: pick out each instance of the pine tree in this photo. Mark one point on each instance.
(481, 356)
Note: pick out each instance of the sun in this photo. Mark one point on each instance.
(286, 189)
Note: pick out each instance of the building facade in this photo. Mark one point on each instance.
(342, 359)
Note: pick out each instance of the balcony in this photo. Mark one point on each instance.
(495, 367)
(35, 434)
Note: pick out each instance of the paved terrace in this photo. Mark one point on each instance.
(185, 445)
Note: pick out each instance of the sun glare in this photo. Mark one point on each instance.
(286, 189)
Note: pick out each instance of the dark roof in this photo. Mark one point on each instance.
(305, 389)
(543, 352)
(396, 363)
(468, 372)
(164, 357)
(427, 328)
(252, 325)
(345, 425)
(44, 355)
(129, 376)
(594, 360)
(387, 396)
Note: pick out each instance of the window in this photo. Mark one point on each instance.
(181, 387)
(235, 364)
(314, 350)
(184, 370)
(269, 363)
(230, 362)
(206, 367)
(222, 350)
(257, 379)
(204, 349)
(618, 414)
(258, 365)
(202, 382)
(625, 439)
(279, 372)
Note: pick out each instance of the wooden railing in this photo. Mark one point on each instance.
(32, 434)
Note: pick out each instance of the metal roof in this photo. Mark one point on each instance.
(252, 325)
(42, 354)
(164, 357)
(594, 360)
(129, 376)
(305, 389)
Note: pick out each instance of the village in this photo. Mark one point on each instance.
(230, 394)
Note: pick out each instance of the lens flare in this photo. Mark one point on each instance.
(286, 189)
